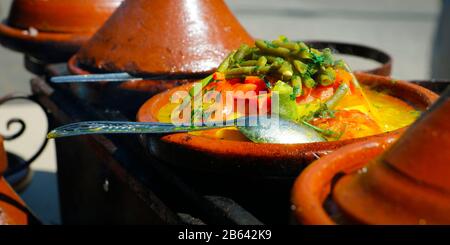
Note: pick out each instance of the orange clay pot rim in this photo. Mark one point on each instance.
(11, 32)
(319, 175)
(74, 68)
(315, 145)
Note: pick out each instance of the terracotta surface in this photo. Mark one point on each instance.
(313, 186)
(383, 190)
(410, 183)
(261, 159)
(174, 37)
(8, 213)
(58, 27)
(429, 140)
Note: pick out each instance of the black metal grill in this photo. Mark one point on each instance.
(112, 179)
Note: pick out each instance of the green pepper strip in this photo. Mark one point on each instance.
(324, 132)
(204, 82)
(341, 91)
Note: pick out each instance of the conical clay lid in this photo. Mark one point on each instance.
(174, 37)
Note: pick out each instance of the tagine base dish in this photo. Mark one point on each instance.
(312, 190)
(263, 160)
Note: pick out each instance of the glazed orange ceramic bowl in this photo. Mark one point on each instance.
(266, 160)
(53, 30)
(382, 182)
(313, 187)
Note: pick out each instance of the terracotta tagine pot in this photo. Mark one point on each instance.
(250, 172)
(178, 39)
(53, 30)
(247, 158)
(169, 37)
(407, 184)
(10, 214)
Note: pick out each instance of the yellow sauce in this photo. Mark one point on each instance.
(393, 114)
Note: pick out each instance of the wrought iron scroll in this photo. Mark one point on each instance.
(22, 129)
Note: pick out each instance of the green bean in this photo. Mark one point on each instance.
(341, 91)
(342, 64)
(286, 71)
(328, 57)
(283, 38)
(276, 65)
(246, 70)
(313, 69)
(263, 69)
(255, 55)
(249, 63)
(315, 51)
(327, 76)
(303, 46)
(289, 45)
(226, 63)
(303, 54)
(204, 82)
(324, 132)
(297, 85)
(262, 61)
(324, 80)
(273, 59)
(277, 51)
(242, 52)
(309, 82)
(301, 67)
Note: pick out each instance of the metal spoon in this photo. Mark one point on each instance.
(113, 77)
(259, 131)
(92, 78)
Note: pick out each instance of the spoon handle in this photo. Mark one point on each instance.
(111, 127)
(117, 127)
(92, 78)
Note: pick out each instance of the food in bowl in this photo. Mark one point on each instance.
(293, 81)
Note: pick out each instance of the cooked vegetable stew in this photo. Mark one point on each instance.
(312, 88)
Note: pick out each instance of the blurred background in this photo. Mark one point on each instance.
(404, 29)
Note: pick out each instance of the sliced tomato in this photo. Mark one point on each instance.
(261, 85)
(220, 86)
(322, 93)
(234, 80)
(218, 76)
(306, 94)
(245, 87)
(352, 124)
